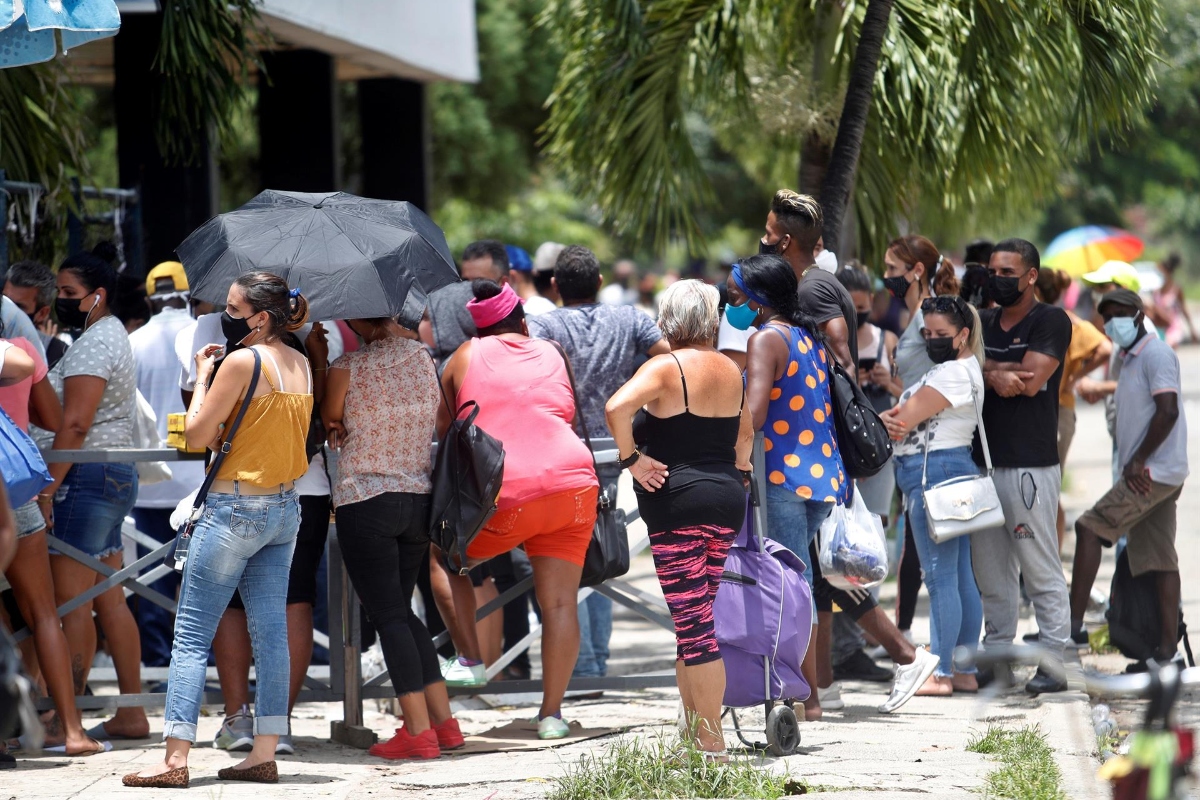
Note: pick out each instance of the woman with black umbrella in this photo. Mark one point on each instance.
(245, 537)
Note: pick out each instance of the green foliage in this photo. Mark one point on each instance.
(1027, 770)
(659, 768)
(975, 100)
(485, 135)
(205, 55)
(1156, 173)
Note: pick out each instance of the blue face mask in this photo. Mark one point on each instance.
(1122, 330)
(741, 317)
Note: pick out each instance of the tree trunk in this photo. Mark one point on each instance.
(843, 164)
(814, 162)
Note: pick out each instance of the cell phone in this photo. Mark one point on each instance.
(867, 363)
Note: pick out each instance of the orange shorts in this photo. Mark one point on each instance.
(555, 526)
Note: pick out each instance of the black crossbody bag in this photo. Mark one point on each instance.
(608, 553)
(176, 557)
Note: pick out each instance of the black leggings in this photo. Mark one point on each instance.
(383, 541)
(908, 580)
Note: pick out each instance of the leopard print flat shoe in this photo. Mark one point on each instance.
(171, 779)
(259, 773)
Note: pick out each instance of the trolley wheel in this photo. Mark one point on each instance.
(783, 731)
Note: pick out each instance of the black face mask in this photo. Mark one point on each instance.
(70, 314)
(772, 249)
(940, 349)
(1006, 291)
(235, 329)
(898, 286)
(863, 318)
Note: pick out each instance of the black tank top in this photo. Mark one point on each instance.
(703, 486)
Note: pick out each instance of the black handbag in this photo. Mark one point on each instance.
(467, 475)
(608, 553)
(176, 557)
(862, 438)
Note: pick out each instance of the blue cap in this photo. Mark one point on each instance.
(518, 259)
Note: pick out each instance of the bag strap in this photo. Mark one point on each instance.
(219, 457)
(578, 408)
(987, 453)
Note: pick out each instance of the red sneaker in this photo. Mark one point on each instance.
(405, 745)
(449, 735)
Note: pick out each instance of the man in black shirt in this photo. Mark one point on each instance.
(793, 230)
(1026, 342)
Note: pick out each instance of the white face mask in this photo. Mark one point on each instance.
(827, 261)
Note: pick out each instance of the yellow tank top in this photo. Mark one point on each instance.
(268, 448)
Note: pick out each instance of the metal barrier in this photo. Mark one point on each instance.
(345, 682)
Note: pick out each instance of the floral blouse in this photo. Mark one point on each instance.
(391, 411)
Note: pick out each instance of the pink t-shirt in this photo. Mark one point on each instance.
(15, 399)
(525, 401)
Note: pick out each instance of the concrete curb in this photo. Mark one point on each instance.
(1066, 720)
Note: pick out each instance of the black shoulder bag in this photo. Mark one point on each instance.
(862, 438)
(176, 558)
(608, 554)
(467, 475)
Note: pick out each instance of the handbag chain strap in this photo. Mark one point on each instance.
(987, 453)
(227, 444)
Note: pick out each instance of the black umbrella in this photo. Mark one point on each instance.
(353, 257)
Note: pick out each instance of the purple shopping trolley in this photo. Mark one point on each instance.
(763, 615)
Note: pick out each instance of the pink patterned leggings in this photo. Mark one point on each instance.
(689, 562)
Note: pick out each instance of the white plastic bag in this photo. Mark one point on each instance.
(852, 549)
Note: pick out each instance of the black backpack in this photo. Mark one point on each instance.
(467, 475)
(862, 439)
(1133, 617)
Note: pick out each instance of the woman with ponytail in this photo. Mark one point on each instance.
(909, 264)
(86, 504)
(933, 427)
(245, 538)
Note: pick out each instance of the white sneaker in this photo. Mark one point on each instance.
(831, 698)
(910, 678)
(459, 674)
(552, 728)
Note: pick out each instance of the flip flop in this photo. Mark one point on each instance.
(105, 747)
(99, 733)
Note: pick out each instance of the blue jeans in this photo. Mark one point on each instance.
(155, 623)
(90, 507)
(794, 522)
(244, 543)
(956, 612)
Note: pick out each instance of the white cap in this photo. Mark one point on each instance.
(546, 256)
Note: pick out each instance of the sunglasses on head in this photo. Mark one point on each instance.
(946, 303)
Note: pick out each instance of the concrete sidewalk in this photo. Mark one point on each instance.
(858, 752)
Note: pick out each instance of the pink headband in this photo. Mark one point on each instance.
(487, 313)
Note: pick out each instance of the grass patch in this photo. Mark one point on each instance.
(666, 767)
(1027, 770)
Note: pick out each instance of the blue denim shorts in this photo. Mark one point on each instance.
(29, 519)
(91, 504)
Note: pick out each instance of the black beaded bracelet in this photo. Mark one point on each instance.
(626, 463)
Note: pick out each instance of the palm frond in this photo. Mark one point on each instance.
(205, 55)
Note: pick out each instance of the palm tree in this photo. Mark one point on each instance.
(959, 107)
(206, 51)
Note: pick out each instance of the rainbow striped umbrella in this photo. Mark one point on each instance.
(1084, 249)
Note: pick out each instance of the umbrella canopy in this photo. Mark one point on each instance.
(27, 28)
(353, 257)
(1084, 249)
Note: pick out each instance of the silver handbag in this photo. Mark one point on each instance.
(962, 505)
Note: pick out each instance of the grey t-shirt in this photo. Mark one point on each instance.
(912, 360)
(451, 322)
(601, 341)
(1151, 368)
(103, 351)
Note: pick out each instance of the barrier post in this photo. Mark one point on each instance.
(349, 730)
